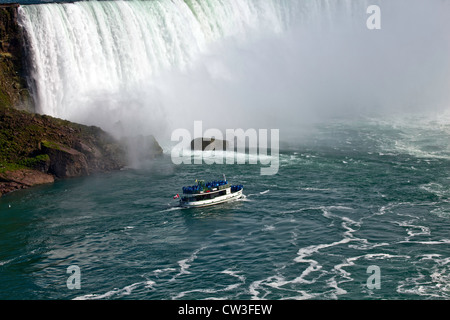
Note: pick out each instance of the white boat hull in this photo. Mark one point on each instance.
(209, 202)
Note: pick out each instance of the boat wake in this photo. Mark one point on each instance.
(171, 207)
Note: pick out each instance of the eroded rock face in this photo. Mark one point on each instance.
(65, 162)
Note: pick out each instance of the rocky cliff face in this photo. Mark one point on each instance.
(13, 85)
(36, 149)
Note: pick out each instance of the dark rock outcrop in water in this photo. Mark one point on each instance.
(36, 149)
(202, 144)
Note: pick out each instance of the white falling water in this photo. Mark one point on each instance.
(82, 48)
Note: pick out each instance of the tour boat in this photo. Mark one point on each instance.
(210, 193)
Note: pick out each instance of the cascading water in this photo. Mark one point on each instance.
(81, 49)
(104, 55)
(112, 63)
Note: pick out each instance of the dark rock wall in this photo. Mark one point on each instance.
(14, 90)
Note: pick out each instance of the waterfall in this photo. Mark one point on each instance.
(93, 60)
(83, 47)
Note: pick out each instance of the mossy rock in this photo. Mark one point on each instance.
(40, 162)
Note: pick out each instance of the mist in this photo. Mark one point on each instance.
(318, 72)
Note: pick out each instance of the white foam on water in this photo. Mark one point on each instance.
(277, 282)
(117, 293)
(314, 265)
(438, 189)
(185, 264)
(5, 262)
(315, 189)
(160, 271)
(413, 230)
(184, 293)
(439, 242)
(430, 256)
(339, 274)
(174, 208)
(223, 157)
(230, 287)
(343, 276)
(337, 291)
(268, 228)
(244, 198)
(430, 281)
(254, 290)
(234, 274)
(442, 212)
